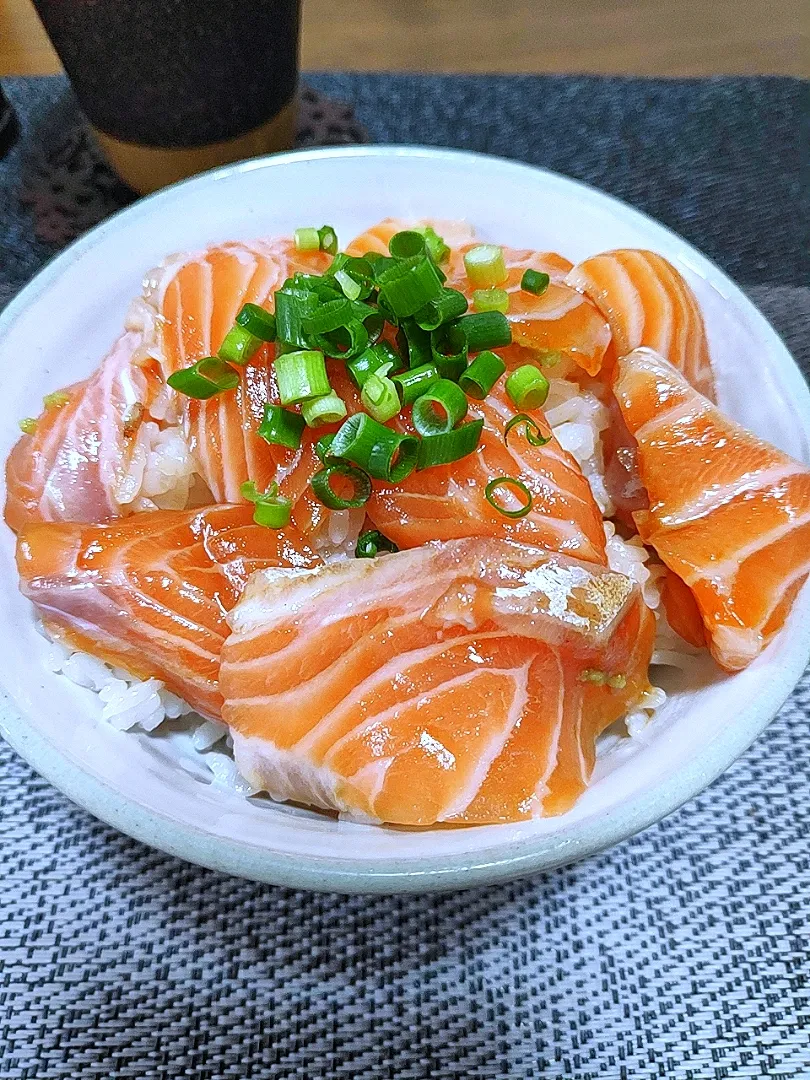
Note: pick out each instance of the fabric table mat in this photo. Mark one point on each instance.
(682, 953)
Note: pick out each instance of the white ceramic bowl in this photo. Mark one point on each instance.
(58, 328)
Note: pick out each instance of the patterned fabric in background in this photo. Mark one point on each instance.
(682, 954)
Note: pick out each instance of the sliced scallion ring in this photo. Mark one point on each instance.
(323, 449)
(372, 543)
(531, 430)
(371, 360)
(328, 409)
(327, 239)
(527, 386)
(379, 395)
(408, 244)
(406, 287)
(323, 486)
(239, 345)
(491, 300)
(282, 427)
(482, 374)
(381, 452)
(439, 409)
(510, 484)
(306, 240)
(257, 321)
(450, 305)
(412, 384)
(485, 266)
(270, 508)
(452, 446)
(204, 379)
(535, 282)
(300, 376)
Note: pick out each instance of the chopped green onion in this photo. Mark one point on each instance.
(57, 399)
(407, 287)
(270, 508)
(350, 287)
(412, 384)
(379, 395)
(293, 307)
(511, 484)
(527, 386)
(372, 543)
(449, 447)
(434, 244)
(531, 430)
(307, 240)
(344, 343)
(371, 360)
(360, 272)
(414, 343)
(239, 345)
(301, 375)
(322, 486)
(329, 316)
(329, 409)
(202, 380)
(440, 409)
(280, 427)
(485, 330)
(444, 309)
(407, 244)
(257, 321)
(491, 300)
(381, 452)
(323, 448)
(481, 375)
(535, 281)
(449, 349)
(327, 239)
(28, 425)
(485, 266)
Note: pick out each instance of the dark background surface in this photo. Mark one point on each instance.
(680, 954)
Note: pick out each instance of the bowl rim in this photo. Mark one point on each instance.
(490, 865)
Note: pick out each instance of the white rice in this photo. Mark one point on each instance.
(163, 476)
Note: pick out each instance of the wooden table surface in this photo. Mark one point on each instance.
(643, 37)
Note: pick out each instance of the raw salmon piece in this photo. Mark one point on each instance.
(149, 592)
(190, 305)
(460, 682)
(448, 502)
(728, 513)
(75, 466)
(560, 320)
(647, 302)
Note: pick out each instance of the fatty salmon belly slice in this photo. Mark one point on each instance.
(149, 593)
(728, 513)
(448, 502)
(75, 465)
(649, 303)
(559, 321)
(438, 684)
(188, 306)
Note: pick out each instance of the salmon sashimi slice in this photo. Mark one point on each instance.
(558, 321)
(189, 305)
(728, 513)
(460, 682)
(79, 462)
(149, 592)
(647, 302)
(448, 502)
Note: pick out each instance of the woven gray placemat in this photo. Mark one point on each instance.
(680, 954)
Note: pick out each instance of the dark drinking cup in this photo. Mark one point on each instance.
(173, 87)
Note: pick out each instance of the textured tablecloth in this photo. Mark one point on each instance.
(682, 953)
